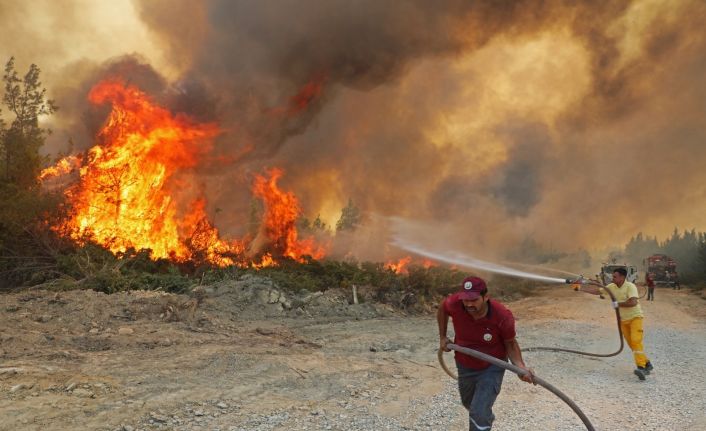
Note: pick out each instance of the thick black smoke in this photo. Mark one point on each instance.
(501, 119)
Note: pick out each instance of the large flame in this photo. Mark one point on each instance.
(125, 196)
(281, 213)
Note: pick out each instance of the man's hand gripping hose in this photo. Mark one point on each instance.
(524, 374)
(529, 375)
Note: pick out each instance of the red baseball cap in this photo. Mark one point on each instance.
(471, 288)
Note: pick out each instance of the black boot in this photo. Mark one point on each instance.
(640, 373)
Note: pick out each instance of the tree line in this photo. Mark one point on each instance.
(687, 248)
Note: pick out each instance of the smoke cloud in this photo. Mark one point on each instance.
(575, 124)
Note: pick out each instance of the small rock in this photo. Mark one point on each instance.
(125, 330)
(273, 297)
(17, 388)
(222, 405)
(94, 331)
(158, 418)
(83, 393)
(70, 387)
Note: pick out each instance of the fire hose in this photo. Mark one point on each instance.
(643, 293)
(520, 372)
(537, 380)
(614, 303)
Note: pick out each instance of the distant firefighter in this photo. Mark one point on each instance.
(650, 282)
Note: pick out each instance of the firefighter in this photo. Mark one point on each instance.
(487, 326)
(626, 297)
(650, 282)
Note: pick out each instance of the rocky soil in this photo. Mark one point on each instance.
(245, 355)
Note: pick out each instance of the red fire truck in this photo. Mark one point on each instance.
(663, 268)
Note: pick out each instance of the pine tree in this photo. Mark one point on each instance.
(350, 218)
(21, 138)
(26, 100)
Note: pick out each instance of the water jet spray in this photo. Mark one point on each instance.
(462, 260)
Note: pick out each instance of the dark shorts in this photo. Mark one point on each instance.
(479, 389)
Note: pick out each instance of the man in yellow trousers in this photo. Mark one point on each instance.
(626, 298)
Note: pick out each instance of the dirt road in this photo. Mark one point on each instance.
(249, 359)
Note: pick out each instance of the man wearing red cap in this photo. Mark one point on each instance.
(487, 326)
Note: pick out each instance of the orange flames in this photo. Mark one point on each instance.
(63, 166)
(124, 195)
(300, 102)
(281, 213)
(310, 92)
(202, 238)
(127, 192)
(399, 267)
(427, 263)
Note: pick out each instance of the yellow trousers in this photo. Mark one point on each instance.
(632, 331)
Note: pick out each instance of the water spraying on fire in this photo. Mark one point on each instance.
(460, 259)
(463, 260)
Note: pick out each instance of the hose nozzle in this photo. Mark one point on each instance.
(579, 280)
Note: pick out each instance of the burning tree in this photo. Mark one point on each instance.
(279, 224)
(125, 194)
(129, 193)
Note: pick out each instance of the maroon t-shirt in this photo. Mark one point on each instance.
(487, 334)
